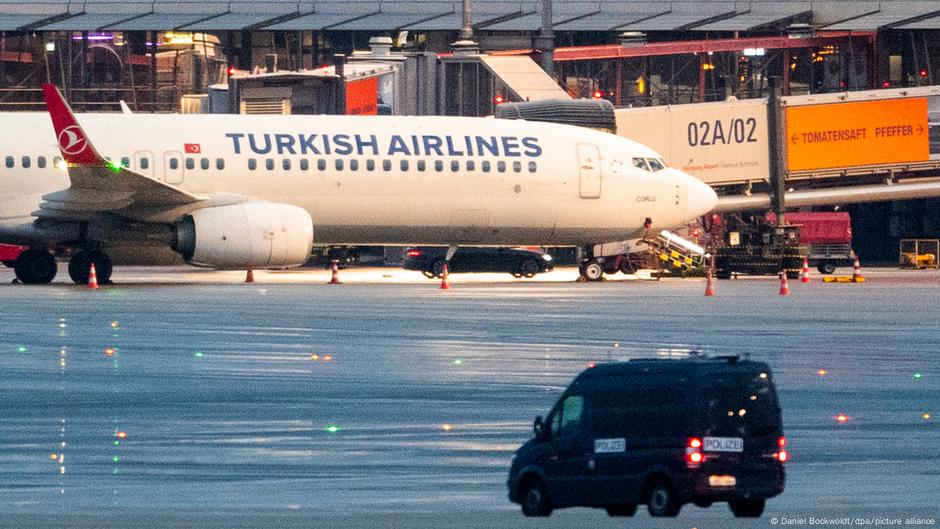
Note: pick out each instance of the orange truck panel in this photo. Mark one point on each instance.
(853, 134)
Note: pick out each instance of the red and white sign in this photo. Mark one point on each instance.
(192, 148)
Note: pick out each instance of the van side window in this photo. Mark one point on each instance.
(571, 412)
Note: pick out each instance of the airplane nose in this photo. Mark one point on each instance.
(700, 197)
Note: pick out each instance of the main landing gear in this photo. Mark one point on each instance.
(80, 265)
(38, 266)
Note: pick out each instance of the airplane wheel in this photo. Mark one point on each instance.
(81, 261)
(35, 267)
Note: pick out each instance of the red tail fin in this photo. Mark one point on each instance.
(73, 142)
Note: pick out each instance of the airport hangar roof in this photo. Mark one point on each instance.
(488, 15)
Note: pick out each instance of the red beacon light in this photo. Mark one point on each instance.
(597, 94)
(923, 73)
(231, 71)
(499, 99)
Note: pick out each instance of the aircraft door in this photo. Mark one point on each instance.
(143, 162)
(589, 165)
(173, 167)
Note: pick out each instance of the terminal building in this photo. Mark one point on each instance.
(461, 58)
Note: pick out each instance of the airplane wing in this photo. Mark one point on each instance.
(97, 184)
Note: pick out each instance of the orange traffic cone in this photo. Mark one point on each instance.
(445, 280)
(92, 277)
(709, 284)
(334, 278)
(804, 274)
(784, 286)
(857, 272)
(250, 276)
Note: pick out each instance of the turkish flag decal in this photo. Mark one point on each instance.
(193, 148)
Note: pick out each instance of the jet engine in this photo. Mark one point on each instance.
(260, 234)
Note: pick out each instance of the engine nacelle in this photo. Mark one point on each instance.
(260, 234)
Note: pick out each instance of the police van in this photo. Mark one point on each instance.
(660, 432)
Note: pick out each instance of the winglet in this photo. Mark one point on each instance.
(73, 142)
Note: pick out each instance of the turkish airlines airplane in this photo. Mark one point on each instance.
(233, 191)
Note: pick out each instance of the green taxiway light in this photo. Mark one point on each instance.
(21, 348)
(199, 354)
(332, 428)
(918, 376)
(458, 362)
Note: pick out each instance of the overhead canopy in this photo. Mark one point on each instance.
(453, 21)
(884, 18)
(533, 21)
(674, 20)
(524, 77)
(751, 20)
(389, 20)
(87, 22)
(232, 21)
(160, 21)
(313, 21)
(14, 22)
(926, 23)
(608, 20)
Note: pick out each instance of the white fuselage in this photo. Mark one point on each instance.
(379, 180)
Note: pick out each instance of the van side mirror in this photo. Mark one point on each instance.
(538, 428)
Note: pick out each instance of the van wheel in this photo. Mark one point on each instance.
(592, 271)
(535, 498)
(529, 268)
(747, 508)
(661, 501)
(627, 509)
(437, 268)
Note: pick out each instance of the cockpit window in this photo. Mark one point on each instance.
(640, 163)
(655, 165)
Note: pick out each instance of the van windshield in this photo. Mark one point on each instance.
(740, 405)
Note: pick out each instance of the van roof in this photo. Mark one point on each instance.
(698, 364)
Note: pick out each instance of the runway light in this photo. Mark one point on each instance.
(616, 344)
(591, 365)
(199, 354)
(314, 357)
(458, 362)
(21, 348)
(918, 376)
(926, 416)
(121, 434)
(446, 427)
(109, 351)
(53, 456)
(115, 459)
(332, 428)
(114, 325)
(842, 418)
(327, 358)
(822, 372)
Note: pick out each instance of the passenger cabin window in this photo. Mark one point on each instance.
(9, 162)
(421, 165)
(470, 165)
(533, 167)
(304, 164)
(204, 163)
(285, 163)
(454, 166)
(339, 164)
(57, 162)
(501, 166)
(220, 163)
(438, 165)
(353, 165)
(190, 163)
(404, 165)
(370, 165)
(640, 163)
(321, 165)
(485, 165)
(26, 163)
(269, 164)
(386, 165)
(517, 167)
(175, 163)
(41, 162)
(252, 164)
(125, 161)
(145, 163)
(655, 165)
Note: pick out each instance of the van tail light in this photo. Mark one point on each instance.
(414, 253)
(782, 454)
(693, 453)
